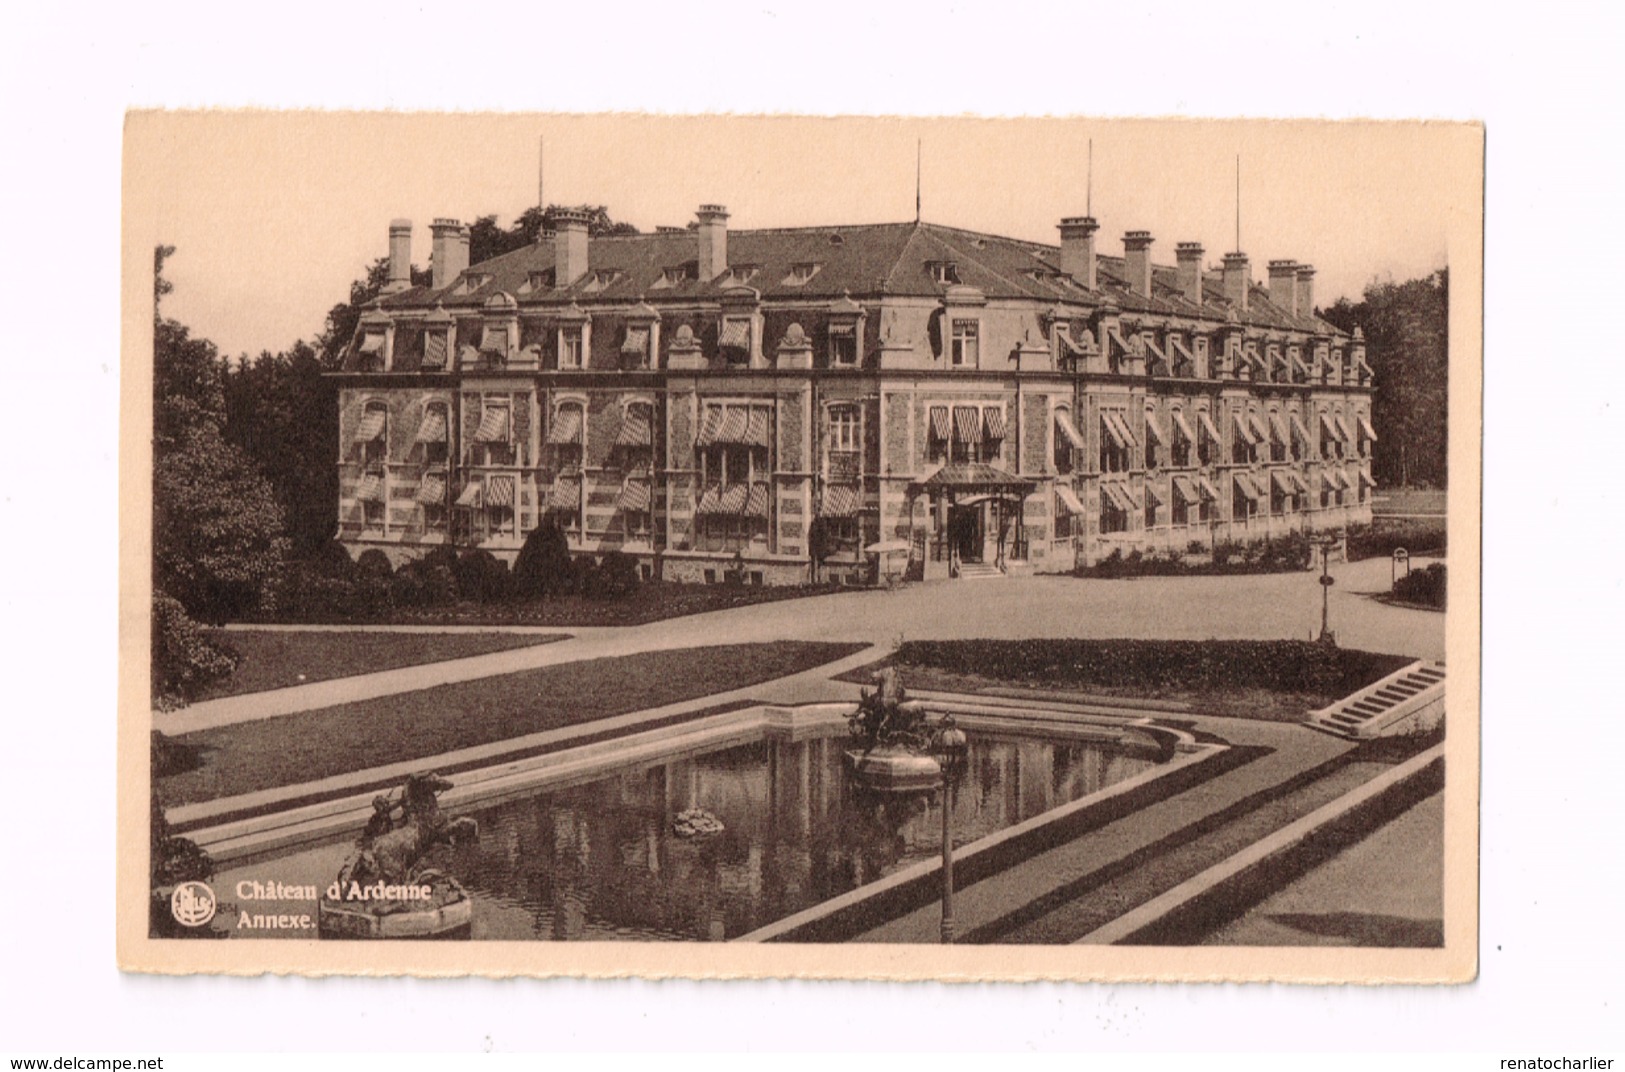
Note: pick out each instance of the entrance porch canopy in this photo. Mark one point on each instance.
(977, 478)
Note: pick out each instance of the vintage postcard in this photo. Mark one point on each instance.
(717, 546)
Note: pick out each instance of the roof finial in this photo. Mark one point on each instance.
(917, 154)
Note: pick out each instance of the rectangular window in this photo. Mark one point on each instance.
(570, 346)
(843, 345)
(843, 428)
(965, 343)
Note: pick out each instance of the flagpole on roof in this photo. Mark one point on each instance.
(1238, 202)
(1089, 183)
(917, 155)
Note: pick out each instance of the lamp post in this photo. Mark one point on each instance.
(1326, 543)
(950, 746)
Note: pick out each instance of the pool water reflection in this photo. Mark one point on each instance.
(599, 861)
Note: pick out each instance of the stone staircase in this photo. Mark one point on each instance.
(1411, 698)
(978, 571)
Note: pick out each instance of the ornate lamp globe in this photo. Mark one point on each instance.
(951, 744)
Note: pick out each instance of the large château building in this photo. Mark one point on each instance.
(845, 402)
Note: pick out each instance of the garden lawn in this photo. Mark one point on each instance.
(304, 747)
(276, 659)
(1272, 681)
(1411, 501)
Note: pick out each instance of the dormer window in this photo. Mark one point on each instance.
(538, 281)
(740, 274)
(604, 277)
(571, 346)
(674, 275)
(473, 281)
(843, 344)
(801, 273)
(944, 272)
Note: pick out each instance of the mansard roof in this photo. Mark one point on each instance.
(861, 261)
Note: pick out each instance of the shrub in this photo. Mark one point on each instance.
(183, 658)
(481, 576)
(332, 559)
(439, 583)
(440, 557)
(583, 576)
(543, 566)
(309, 591)
(1196, 547)
(373, 563)
(617, 575)
(1424, 586)
(1418, 536)
(406, 587)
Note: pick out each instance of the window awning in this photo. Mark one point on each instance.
(1244, 428)
(1342, 428)
(756, 428)
(371, 343)
(1328, 430)
(1299, 429)
(432, 491)
(1279, 430)
(1283, 482)
(1209, 492)
(493, 425)
(1185, 488)
(1365, 479)
(1332, 480)
(473, 495)
(634, 497)
(967, 424)
(433, 428)
(709, 427)
(1365, 369)
(1118, 424)
(635, 431)
(371, 488)
(1182, 354)
(1209, 429)
(993, 417)
(564, 495)
(1153, 430)
(1301, 484)
(1183, 426)
(1299, 367)
(371, 426)
(1069, 345)
(494, 341)
(734, 499)
(499, 491)
(1259, 430)
(735, 334)
(1114, 341)
(709, 499)
(1063, 424)
(939, 423)
(1244, 484)
(1154, 495)
(756, 503)
(1120, 497)
(434, 350)
(840, 500)
(636, 341)
(1365, 427)
(566, 427)
(1069, 499)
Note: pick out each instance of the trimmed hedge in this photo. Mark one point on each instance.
(1424, 586)
(184, 658)
(1382, 538)
(1286, 554)
(1277, 665)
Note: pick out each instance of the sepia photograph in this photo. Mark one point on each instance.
(837, 547)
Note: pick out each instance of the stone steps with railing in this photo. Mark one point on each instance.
(1409, 699)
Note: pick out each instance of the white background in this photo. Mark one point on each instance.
(1545, 81)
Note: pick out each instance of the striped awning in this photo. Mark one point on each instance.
(494, 341)
(1299, 429)
(1283, 482)
(634, 497)
(1244, 428)
(473, 495)
(1209, 429)
(939, 423)
(1300, 482)
(733, 499)
(756, 503)
(371, 488)
(1342, 428)
(565, 495)
(493, 425)
(967, 424)
(636, 341)
(1185, 488)
(1331, 479)
(1068, 430)
(709, 499)
(434, 350)
(1117, 425)
(1365, 427)
(1069, 499)
(1365, 479)
(1328, 429)
(1154, 495)
(756, 428)
(840, 500)
(371, 343)
(1278, 429)
(566, 427)
(1209, 492)
(735, 334)
(433, 428)
(1259, 429)
(1153, 430)
(993, 419)
(432, 491)
(499, 491)
(371, 426)
(1183, 426)
(1120, 497)
(634, 428)
(1244, 483)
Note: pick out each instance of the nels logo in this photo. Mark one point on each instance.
(192, 904)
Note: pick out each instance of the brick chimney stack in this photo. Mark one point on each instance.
(1284, 286)
(1078, 249)
(713, 241)
(1189, 256)
(1137, 260)
(569, 245)
(449, 254)
(1237, 279)
(400, 256)
(1306, 290)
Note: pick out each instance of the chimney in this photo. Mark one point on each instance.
(1237, 279)
(1189, 255)
(449, 256)
(400, 256)
(1137, 259)
(1306, 290)
(569, 245)
(1078, 249)
(713, 232)
(1284, 286)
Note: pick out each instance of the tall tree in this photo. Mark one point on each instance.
(1406, 327)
